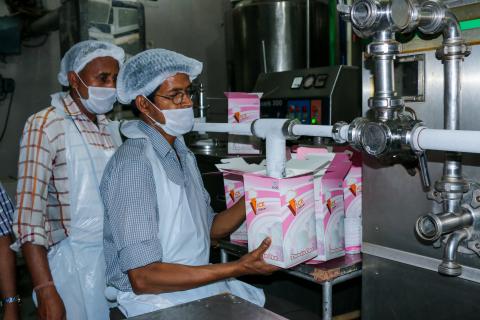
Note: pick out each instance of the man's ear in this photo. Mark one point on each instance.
(142, 104)
(72, 79)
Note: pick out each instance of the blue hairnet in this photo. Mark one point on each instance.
(83, 52)
(146, 71)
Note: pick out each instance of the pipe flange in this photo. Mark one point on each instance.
(408, 138)
(402, 12)
(355, 133)
(459, 186)
(375, 138)
(336, 132)
(387, 102)
(390, 47)
(457, 49)
(450, 268)
(435, 14)
(385, 114)
(287, 129)
(428, 227)
(364, 14)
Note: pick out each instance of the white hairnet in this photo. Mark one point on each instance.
(83, 52)
(146, 71)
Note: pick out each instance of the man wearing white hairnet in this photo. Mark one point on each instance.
(158, 219)
(59, 218)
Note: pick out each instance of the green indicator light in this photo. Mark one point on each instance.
(470, 24)
(314, 121)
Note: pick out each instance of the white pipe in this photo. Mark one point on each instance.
(233, 128)
(276, 156)
(264, 127)
(272, 131)
(312, 130)
(445, 140)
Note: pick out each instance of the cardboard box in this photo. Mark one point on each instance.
(233, 169)
(243, 107)
(353, 205)
(329, 202)
(284, 210)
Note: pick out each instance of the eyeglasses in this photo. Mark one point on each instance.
(177, 99)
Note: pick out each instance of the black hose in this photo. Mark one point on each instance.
(4, 130)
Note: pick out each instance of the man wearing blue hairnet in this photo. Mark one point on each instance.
(59, 218)
(158, 219)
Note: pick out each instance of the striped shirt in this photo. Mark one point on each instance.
(6, 212)
(43, 199)
(130, 199)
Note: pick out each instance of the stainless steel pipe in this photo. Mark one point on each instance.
(449, 266)
(432, 226)
(384, 77)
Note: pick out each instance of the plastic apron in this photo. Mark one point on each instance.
(77, 263)
(185, 238)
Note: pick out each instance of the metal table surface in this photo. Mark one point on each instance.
(219, 307)
(325, 274)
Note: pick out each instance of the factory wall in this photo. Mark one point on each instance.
(35, 74)
(196, 29)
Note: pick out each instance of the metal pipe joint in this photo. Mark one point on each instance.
(379, 138)
(431, 227)
(371, 16)
(449, 265)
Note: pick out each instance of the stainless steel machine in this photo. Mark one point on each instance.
(419, 124)
(420, 239)
(277, 35)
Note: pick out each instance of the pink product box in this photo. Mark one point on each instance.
(329, 203)
(353, 206)
(243, 107)
(284, 210)
(233, 169)
(233, 185)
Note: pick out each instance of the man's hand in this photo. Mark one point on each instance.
(50, 305)
(253, 263)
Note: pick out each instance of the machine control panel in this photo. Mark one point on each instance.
(313, 96)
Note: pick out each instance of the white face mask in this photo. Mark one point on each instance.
(177, 121)
(100, 100)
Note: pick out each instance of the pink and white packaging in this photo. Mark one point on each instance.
(284, 210)
(243, 107)
(329, 202)
(352, 194)
(234, 190)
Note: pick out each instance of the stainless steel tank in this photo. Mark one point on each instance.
(271, 35)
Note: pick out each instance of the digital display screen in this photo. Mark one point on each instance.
(296, 83)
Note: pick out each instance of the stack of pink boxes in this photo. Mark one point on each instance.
(329, 204)
(353, 205)
(303, 213)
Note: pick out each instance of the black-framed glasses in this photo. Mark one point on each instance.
(178, 98)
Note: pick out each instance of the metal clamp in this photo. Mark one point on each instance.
(336, 132)
(287, 129)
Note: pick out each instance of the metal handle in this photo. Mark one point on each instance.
(423, 164)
